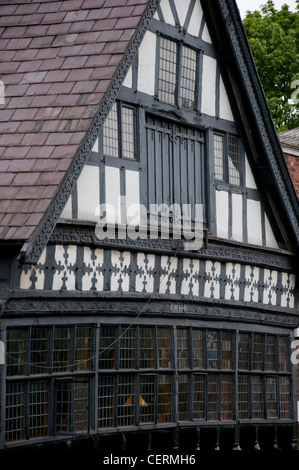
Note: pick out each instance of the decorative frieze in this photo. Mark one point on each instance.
(84, 269)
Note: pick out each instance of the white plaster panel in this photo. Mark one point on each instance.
(208, 86)
(252, 283)
(212, 284)
(182, 10)
(112, 181)
(225, 110)
(195, 20)
(232, 288)
(191, 281)
(222, 214)
(67, 211)
(95, 147)
(206, 35)
(128, 80)
(39, 274)
(254, 222)
(88, 190)
(120, 278)
(270, 237)
(167, 13)
(167, 279)
(65, 258)
(288, 284)
(237, 217)
(270, 284)
(132, 196)
(145, 277)
(147, 63)
(93, 278)
(250, 182)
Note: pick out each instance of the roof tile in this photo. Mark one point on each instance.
(58, 59)
(24, 114)
(35, 139)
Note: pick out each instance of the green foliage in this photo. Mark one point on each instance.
(274, 40)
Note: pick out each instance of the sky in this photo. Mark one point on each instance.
(252, 5)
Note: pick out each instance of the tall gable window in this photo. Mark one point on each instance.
(227, 161)
(119, 132)
(177, 74)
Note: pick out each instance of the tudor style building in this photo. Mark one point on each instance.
(137, 115)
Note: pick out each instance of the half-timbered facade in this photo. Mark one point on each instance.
(157, 290)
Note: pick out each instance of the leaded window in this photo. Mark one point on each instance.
(119, 132)
(142, 375)
(177, 74)
(227, 159)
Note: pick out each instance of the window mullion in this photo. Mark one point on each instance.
(178, 73)
(119, 129)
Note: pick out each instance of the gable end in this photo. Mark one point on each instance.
(32, 250)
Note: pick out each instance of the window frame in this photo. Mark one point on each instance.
(120, 105)
(178, 73)
(33, 397)
(227, 178)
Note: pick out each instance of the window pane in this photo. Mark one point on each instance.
(62, 349)
(199, 397)
(63, 406)
(38, 409)
(83, 348)
(243, 393)
(164, 399)
(39, 350)
(125, 400)
(271, 397)
(72, 406)
(258, 346)
(110, 133)
(15, 351)
(188, 76)
(183, 397)
(285, 397)
(212, 349)
(197, 349)
(146, 348)
(183, 348)
(146, 399)
(81, 407)
(257, 397)
(128, 149)
(164, 348)
(283, 352)
(270, 357)
(233, 160)
(218, 157)
(14, 412)
(226, 397)
(213, 412)
(106, 399)
(107, 347)
(243, 359)
(167, 71)
(227, 350)
(127, 348)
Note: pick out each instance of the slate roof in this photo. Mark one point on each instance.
(62, 63)
(57, 60)
(290, 138)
